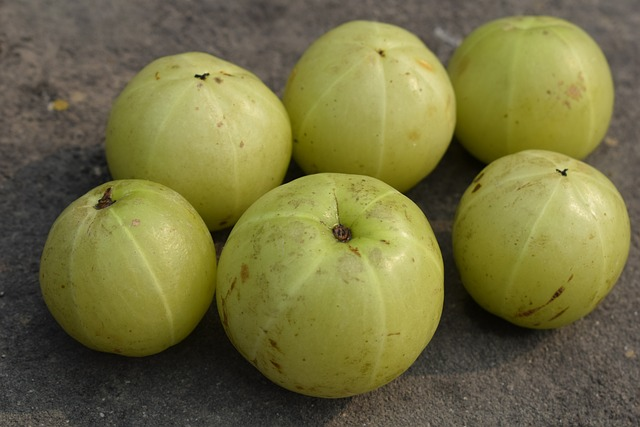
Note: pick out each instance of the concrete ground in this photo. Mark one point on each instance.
(477, 371)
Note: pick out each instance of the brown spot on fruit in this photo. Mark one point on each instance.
(225, 317)
(424, 64)
(244, 272)
(559, 314)
(574, 92)
(479, 177)
(557, 294)
(529, 312)
(276, 365)
(476, 188)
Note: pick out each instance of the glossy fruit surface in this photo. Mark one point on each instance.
(540, 238)
(531, 82)
(370, 98)
(128, 268)
(206, 128)
(331, 285)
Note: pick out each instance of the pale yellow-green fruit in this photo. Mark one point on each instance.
(207, 128)
(133, 277)
(530, 82)
(322, 310)
(370, 98)
(540, 238)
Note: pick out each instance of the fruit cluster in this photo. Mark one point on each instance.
(332, 284)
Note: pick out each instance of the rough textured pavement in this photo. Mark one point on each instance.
(478, 370)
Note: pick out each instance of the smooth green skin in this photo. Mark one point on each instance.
(370, 98)
(322, 317)
(530, 82)
(221, 142)
(133, 278)
(537, 248)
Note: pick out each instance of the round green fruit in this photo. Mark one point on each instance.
(540, 238)
(128, 268)
(370, 98)
(331, 285)
(530, 82)
(206, 128)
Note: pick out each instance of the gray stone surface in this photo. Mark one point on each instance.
(478, 370)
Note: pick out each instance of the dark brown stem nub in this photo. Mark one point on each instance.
(105, 201)
(562, 172)
(202, 76)
(341, 233)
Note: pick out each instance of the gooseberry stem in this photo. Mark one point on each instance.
(105, 201)
(341, 233)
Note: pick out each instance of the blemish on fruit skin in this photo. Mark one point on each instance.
(273, 344)
(276, 365)
(424, 64)
(535, 310)
(414, 135)
(559, 314)
(479, 177)
(557, 294)
(574, 92)
(244, 272)
(476, 188)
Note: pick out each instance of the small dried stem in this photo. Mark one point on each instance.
(105, 201)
